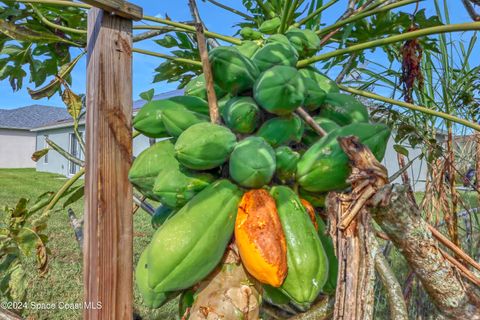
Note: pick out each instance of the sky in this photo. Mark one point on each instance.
(216, 19)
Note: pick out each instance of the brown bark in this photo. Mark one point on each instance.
(451, 218)
(354, 298)
(400, 219)
(228, 293)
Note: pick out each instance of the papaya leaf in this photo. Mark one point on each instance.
(37, 155)
(148, 95)
(41, 202)
(23, 33)
(75, 196)
(400, 149)
(72, 101)
(50, 89)
(27, 241)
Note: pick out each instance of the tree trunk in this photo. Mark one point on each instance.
(400, 219)
(451, 215)
(354, 297)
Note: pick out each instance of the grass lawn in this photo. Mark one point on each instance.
(63, 283)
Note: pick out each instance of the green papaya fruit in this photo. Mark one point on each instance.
(280, 90)
(241, 114)
(275, 54)
(310, 136)
(316, 199)
(191, 243)
(248, 48)
(248, 33)
(232, 71)
(222, 103)
(252, 163)
(150, 298)
(306, 259)
(270, 26)
(278, 38)
(314, 95)
(177, 120)
(327, 243)
(305, 41)
(161, 214)
(149, 120)
(343, 109)
(282, 130)
(176, 185)
(148, 164)
(324, 166)
(197, 88)
(274, 296)
(286, 160)
(325, 83)
(204, 146)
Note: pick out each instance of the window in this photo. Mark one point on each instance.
(74, 151)
(45, 145)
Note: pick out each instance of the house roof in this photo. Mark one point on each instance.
(29, 117)
(137, 105)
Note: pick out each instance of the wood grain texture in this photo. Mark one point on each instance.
(108, 244)
(119, 7)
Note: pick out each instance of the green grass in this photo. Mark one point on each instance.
(63, 283)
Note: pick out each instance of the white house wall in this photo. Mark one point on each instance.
(56, 163)
(16, 148)
(417, 172)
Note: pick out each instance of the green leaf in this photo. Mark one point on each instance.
(23, 33)
(148, 95)
(400, 149)
(75, 196)
(27, 241)
(168, 41)
(53, 86)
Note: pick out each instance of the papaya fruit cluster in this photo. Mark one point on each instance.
(261, 176)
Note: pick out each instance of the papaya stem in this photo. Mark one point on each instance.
(54, 25)
(190, 28)
(389, 40)
(310, 121)
(315, 13)
(264, 9)
(64, 189)
(411, 107)
(364, 14)
(207, 69)
(182, 26)
(165, 56)
(285, 13)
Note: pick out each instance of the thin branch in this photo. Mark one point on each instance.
(315, 13)
(311, 122)
(64, 153)
(165, 56)
(412, 107)
(396, 302)
(155, 31)
(207, 70)
(392, 39)
(54, 25)
(471, 10)
(233, 10)
(346, 68)
(190, 28)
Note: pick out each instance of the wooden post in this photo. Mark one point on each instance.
(108, 243)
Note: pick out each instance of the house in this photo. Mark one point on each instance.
(61, 132)
(17, 141)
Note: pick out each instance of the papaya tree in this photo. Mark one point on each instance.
(250, 152)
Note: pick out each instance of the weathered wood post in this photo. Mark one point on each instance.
(108, 243)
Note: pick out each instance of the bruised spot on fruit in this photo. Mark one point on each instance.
(311, 212)
(260, 239)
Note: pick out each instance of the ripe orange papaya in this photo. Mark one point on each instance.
(260, 239)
